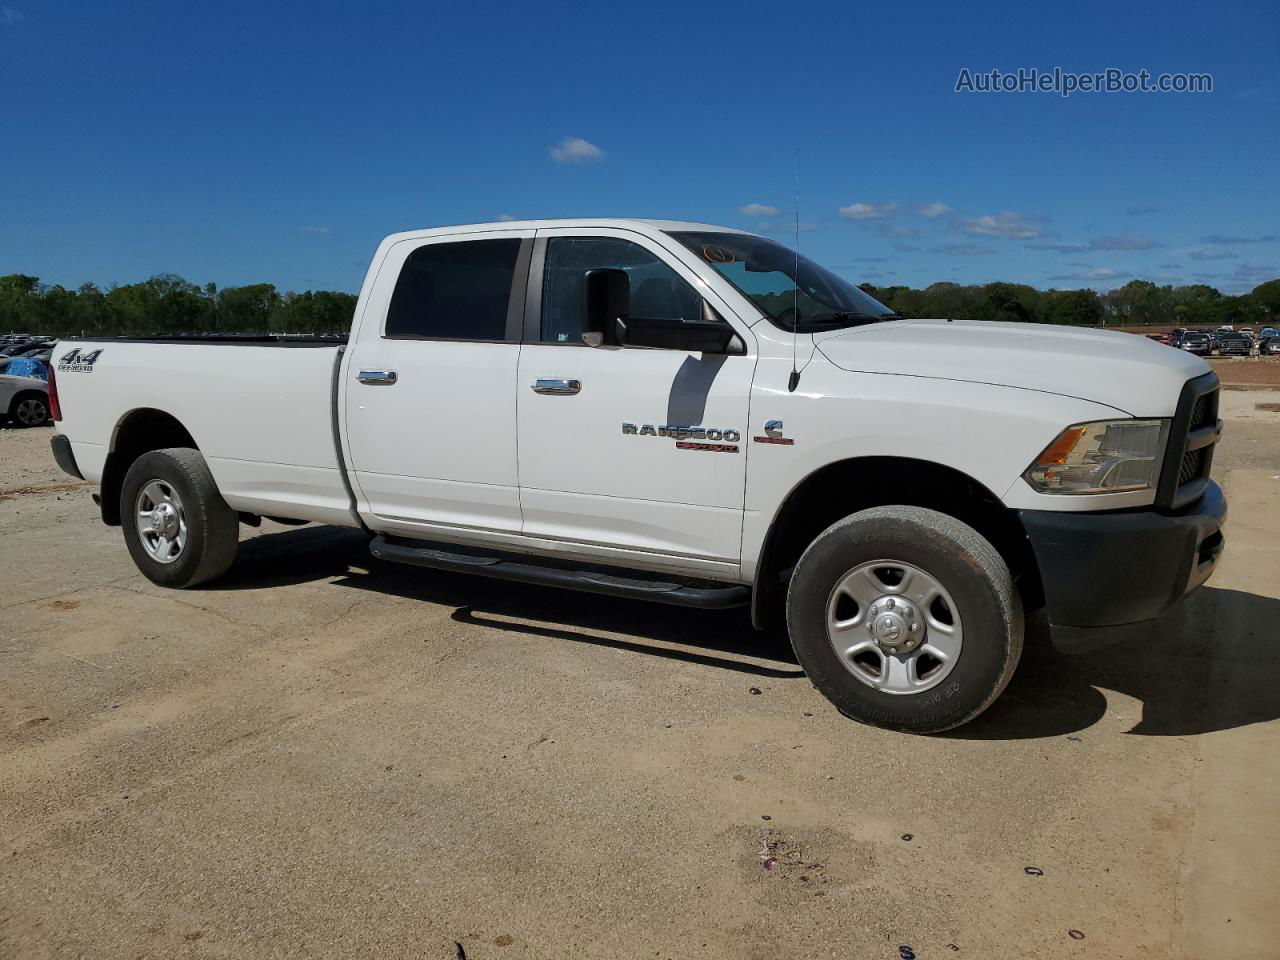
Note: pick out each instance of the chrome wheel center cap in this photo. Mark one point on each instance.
(165, 520)
(895, 624)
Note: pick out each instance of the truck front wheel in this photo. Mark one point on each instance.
(179, 530)
(905, 618)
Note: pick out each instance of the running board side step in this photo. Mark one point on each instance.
(589, 581)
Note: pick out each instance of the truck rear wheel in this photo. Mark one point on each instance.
(905, 618)
(179, 530)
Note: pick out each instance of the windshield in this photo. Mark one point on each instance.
(808, 298)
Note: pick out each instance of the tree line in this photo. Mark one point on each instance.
(170, 304)
(1138, 302)
(167, 304)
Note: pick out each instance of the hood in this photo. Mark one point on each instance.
(1132, 373)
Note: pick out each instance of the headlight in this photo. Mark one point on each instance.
(1110, 456)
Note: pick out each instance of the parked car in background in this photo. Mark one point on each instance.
(1236, 344)
(16, 347)
(24, 400)
(1269, 347)
(1247, 331)
(1159, 338)
(1194, 341)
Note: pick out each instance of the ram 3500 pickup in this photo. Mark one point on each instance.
(613, 406)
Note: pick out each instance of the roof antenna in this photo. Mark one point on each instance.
(794, 380)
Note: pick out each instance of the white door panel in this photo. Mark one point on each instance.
(587, 480)
(438, 445)
(433, 445)
(583, 479)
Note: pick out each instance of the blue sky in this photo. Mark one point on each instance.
(247, 142)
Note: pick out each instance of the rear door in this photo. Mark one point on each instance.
(430, 411)
(604, 465)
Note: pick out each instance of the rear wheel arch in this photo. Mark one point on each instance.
(139, 431)
(841, 488)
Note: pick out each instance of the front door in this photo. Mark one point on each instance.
(429, 397)
(631, 454)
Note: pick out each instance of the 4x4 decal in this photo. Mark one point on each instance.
(77, 362)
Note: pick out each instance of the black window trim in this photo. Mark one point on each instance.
(515, 302)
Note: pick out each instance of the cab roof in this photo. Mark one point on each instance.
(639, 224)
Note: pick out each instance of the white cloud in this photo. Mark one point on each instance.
(315, 230)
(1122, 241)
(934, 210)
(964, 250)
(1058, 247)
(1091, 275)
(505, 218)
(576, 150)
(1219, 239)
(758, 210)
(867, 211)
(10, 16)
(1007, 224)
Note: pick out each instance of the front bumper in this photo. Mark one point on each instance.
(1103, 570)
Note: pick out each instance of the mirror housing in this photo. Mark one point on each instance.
(698, 337)
(608, 299)
(608, 321)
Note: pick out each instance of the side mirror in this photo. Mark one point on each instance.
(608, 299)
(708, 335)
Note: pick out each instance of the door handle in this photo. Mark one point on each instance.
(557, 386)
(377, 377)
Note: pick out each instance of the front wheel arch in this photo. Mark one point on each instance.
(844, 487)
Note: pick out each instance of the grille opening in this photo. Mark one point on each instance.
(1192, 465)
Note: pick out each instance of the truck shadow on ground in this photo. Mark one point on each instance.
(723, 639)
(1184, 669)
(1177, 667)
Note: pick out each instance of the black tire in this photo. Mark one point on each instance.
(963, 562)
(212, 528)
(30, 409)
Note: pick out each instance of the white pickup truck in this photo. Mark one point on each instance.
(688, 414)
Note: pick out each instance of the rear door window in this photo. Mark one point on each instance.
(454, 291)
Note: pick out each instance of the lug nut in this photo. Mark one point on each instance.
(889, 603)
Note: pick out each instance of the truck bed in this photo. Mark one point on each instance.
(263, 413)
